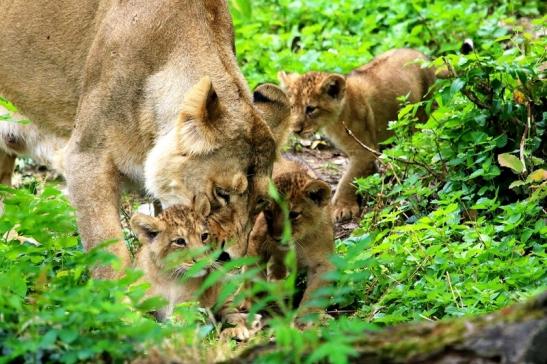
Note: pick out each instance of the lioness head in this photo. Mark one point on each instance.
(229, 227)
(307, 201)
(172, 241)
(316, 99)
(211, 150)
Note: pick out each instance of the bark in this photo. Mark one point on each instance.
(516, 334)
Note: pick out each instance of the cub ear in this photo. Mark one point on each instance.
(334, 86)
(318, 191)
(274, 106)
(286, 79)
(146, 227)
(201, 205)
(200, 115)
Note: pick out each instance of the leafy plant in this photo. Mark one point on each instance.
(455, 225)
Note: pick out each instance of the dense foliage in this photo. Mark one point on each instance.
(455, 224)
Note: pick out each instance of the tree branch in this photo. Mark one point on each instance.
(515, 334)
(379, 154)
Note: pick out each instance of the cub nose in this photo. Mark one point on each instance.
(223, 257)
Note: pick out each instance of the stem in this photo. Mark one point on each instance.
(379, 154)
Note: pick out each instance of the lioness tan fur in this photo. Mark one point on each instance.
(226, 225)
(142, 90)
(365, 100)
(308, 202)
(171, 244)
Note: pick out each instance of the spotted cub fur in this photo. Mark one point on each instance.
(365, 100)
(307, 199)
(171, 244)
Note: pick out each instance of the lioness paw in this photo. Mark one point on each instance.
(344, 210)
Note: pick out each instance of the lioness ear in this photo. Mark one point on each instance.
(201, 205)
(318, 191)
(334, 86)
(200, 113)
(273, 104)
(146, 227)
(286, 79)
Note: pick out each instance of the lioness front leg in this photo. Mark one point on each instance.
(93, 185)
(7, 162)
(344, 202)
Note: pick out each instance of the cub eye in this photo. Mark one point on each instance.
(204, 237)
(310, 109)
(179, 242)
(293, 215)
(222, 195)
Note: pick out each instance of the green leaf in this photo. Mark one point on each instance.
(517, 183)
(68, 335)
(538, 175)
(510, 161)
(243, 8)
(7, 105)
(456, 86)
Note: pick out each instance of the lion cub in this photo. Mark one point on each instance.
(365, 100)
(171, 244)
(308, 200)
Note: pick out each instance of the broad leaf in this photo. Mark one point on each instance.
(510, 161)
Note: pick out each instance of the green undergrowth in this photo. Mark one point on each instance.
(455, 224)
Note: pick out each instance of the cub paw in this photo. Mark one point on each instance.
(239, 333)
(343, 210)
(242, 330)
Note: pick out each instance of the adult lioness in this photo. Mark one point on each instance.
(365, 100)
(145, 90)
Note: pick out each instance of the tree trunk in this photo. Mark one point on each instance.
(516, 334)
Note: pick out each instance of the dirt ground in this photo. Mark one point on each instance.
(317, 153)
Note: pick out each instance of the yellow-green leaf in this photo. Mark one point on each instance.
(537, 176)
(510, 161)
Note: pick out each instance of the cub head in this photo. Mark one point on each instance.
(172, 241)
(307, 201)
(220, 146)
(316, 99)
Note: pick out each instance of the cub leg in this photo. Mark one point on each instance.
(345, 204)
(315, 281)
(94, 189)
(276, 268)
(361, 161)
(7, 163)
